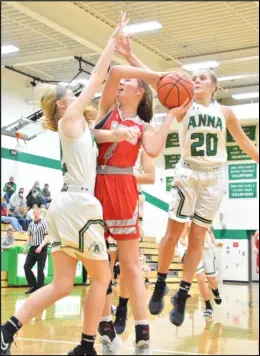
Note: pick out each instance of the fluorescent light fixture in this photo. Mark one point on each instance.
(246, 96)
(9, 49)
(234, 77)
(63, 84)
(142, 27)
(194, 66)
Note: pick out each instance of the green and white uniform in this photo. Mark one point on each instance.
(199, 178)
(75, 217)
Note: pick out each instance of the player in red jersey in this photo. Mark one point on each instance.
(126, 103)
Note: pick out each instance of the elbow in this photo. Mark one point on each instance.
(152, 179)
(152, 153)
(115, 72)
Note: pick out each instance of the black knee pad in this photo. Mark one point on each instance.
(109, 289)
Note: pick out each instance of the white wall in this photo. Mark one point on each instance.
(15, 92)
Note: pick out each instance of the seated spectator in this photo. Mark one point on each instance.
(9, 189)
(5, 219)
(35, 187)
(17, 200)
(8, 240)
(46, 194)
(35, 199)
(20, 214)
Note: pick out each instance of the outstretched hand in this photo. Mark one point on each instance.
(123, 21)
(180, 111)
(123, 46)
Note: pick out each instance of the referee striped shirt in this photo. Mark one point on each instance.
(37, 230)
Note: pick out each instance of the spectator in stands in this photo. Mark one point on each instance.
(17, 200)
(46, 194)
(20, 213)
(38, 239)
(5, 219)
(35, 199)
(9, 189)
(8, 240)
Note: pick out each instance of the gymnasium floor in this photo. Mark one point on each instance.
(232, 331)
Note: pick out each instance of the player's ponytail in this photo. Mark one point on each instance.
(145, 108)
(214, 80)
(90, 114)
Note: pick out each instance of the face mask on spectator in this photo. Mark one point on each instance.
(21, 194)
(34, 195)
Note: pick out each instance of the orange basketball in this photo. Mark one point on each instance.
(173, 89)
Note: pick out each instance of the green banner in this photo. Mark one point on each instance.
(242, 171)
(172, 140)
(169, 183)
(242, 190)
(250, 131)
(171, 161)
(236, 154)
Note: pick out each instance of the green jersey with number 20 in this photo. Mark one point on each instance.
(202, 134)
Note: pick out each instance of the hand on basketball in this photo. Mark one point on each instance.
(123, 46)
(123, 21)
(180, 111)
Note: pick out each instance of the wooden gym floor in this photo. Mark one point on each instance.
(233, 329)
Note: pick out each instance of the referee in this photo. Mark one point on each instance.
(38, 238)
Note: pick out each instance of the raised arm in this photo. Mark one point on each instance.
(98, 74)
(148, 175)
(238, 134)
(124, 49)
(116, 73)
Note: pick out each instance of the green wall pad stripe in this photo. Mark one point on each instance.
(155, 201)
(230, 234)
(31, 159)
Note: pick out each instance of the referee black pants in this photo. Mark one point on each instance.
(31, 259)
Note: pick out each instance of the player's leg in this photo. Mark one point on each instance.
(99, 272)
(130, 268)
(121, 310)
(204, 292)
(62, 284)
(211, 273)
(207, 204)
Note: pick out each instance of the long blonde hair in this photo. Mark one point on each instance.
(51, 115)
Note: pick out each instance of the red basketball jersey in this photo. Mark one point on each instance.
(122, 154)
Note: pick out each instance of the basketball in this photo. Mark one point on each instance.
(173, 89)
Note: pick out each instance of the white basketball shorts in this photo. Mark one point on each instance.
(196, 194)
(75, 223)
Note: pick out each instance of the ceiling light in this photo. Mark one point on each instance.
(9, 49)
(200, 65)
(246, 96)
(234, 77)
(63, 84)
(142, 27)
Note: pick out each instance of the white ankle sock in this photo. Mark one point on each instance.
(141, 322)
(106, 318)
